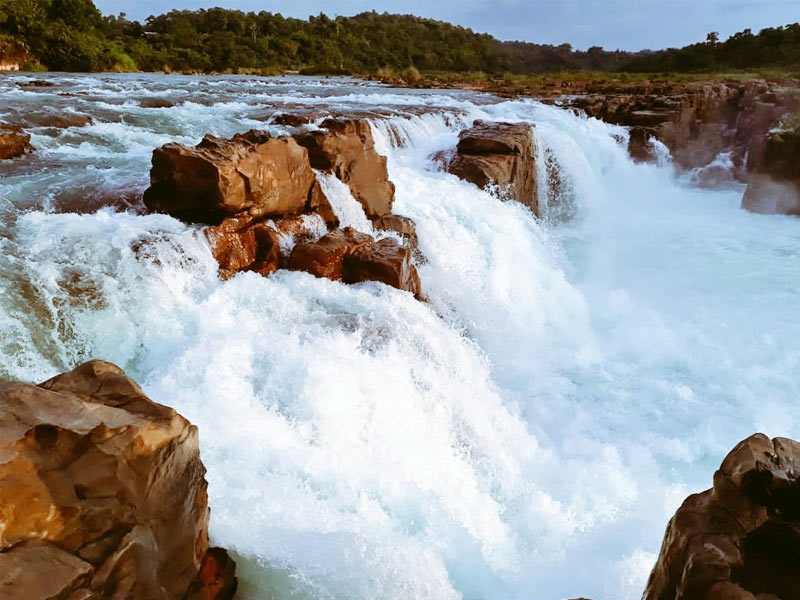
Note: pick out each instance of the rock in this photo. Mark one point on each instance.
(740, 539)
(325, 258)
(385, 261)
(156, 103)
(774, 182)
(398, 224)
(216, 579)
(500, 154)
(65, 121)
(290, 120)
(14, 141)
(250, 247)
(102, 492)
(346, 148)
(640, 145)
(35, 83)
(252, 173)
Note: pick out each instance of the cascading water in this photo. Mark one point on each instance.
(529, 431)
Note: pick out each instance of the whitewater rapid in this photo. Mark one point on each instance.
(526, 433)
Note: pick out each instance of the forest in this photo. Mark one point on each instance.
(73, 35)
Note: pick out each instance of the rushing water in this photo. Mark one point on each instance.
(525, 434)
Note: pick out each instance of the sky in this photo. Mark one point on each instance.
(623, 24)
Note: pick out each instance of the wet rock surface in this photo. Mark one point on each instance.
(102, 492)
(774, 180)
(498, 154)
(252, 173)
(268, 210)
(346, 148)
(696, 122)
(14, 142)
(739, 540)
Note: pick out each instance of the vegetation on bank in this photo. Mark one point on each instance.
(72, 35)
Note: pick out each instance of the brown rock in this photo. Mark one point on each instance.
(291, 120)
(156, 103)
(102, 492)
(252, 174)
(774, 182)
(14, 141)
(216, 579)
(402, 225)
(500, 154)
(325, 257)
(65, 120)
(346, 148)
(741, 539)
(385, 261)
(249, 247)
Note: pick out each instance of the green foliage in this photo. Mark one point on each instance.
(775, 48)
(72, 35)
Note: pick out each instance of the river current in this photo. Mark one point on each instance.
(527, 433)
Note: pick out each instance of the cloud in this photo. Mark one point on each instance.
(625, 24)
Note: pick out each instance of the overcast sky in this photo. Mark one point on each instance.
(625, 24)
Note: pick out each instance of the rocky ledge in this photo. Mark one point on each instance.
(739, 540)
(102, 495)
(266, 209)
(774, 180)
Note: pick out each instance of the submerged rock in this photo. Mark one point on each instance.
(252, 173)
(774, 182)
(14, 141)
(403, 226)
(102, 492)
(499, 154)
(346, 148)
(739, 540)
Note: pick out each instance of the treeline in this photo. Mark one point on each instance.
(772, 48)
(72, 35)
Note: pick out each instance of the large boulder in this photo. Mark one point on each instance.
(325, 257)
(14, 141)
(346, 148)
(102, 492)
(351, 256)
(386, 261)
(502, 155)
(739, 540)
(251, 174)
(774, 182)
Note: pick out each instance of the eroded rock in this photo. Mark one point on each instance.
(249, 247)
(252, 173)
(740, 539)
(499, 154)
(14, 141)
(325, 258)
(346, 148)
(774, 182)
(386, 261)
(102, 492)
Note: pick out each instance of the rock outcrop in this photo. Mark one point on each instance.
(739, 540)
(267, 210)
(499, 154)
(14, 141)
(774, 182)
(252, 174)
(695, 121)
(352, 257)
(346, 148)
(102, 492)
